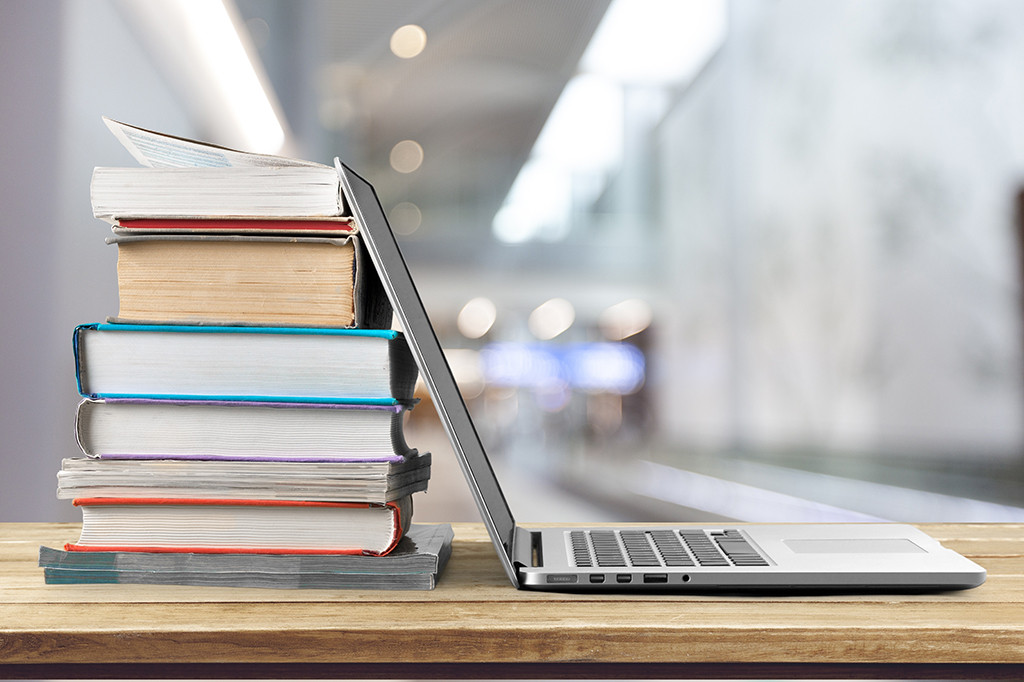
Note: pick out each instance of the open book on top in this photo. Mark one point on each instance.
(184, 180)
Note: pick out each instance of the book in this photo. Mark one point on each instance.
(243, 430)
(248, 280)
(339, 226)
(182, 178)
(160, 150)
(366, 481)
(263, 364)
(240, 526)
(417, 562)
(246, 402)
(244, 192)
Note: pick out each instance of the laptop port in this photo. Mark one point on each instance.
(655, 577)
(623, 578)
(597, 577)
(562, 578)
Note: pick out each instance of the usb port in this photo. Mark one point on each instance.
(597, 577)
(655, 577)
(623, 578)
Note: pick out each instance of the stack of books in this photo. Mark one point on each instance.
(242, 415)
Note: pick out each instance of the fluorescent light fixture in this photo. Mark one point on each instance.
(584, 132)
(581, 139)
(216, 70)
(646, 46)
(656, 42)
(212, 33)
(538, 205)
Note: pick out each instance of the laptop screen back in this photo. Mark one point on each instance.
(451, 408)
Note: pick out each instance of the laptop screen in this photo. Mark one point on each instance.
(451, 408)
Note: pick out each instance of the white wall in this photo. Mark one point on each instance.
(65, 65)
(838, 193)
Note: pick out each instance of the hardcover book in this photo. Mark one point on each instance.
(263, 364)
(248, 279)
(335, 227)
(244, 430)
(247, 526)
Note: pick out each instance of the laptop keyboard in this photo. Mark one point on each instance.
(668, 547)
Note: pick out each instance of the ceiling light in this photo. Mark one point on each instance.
(408, 41)
(538, 205)
(631, 48)
(585, 129)
(211, 34)
(406, 218)
(477, 317)
(652, 44)
(551, 318)
(467, 369)
(406, 156)
(625, 319)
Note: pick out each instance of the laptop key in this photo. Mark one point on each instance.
(580, 549)
(638, 548)
(671, 549)
(736, 547)
(606, 548)
(703, 549)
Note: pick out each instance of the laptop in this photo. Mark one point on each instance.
(682, 557)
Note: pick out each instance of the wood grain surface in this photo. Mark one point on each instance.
(475, 624)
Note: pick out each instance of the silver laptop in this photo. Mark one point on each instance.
(683, 557)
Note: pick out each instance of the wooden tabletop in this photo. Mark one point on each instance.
(476, 625)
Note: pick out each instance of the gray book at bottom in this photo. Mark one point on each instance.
(415, 564)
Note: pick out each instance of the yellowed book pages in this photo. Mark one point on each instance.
(218, 280)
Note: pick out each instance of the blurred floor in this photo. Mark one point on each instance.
(530, 496)
(600, 489)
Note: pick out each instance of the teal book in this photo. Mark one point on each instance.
(261, 364)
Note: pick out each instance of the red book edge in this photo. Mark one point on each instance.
(107, 501)
(237, 224)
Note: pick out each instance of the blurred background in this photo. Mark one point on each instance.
(691, 259)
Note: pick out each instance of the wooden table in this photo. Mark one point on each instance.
(475, 625)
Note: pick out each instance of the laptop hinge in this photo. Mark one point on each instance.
(526, 548)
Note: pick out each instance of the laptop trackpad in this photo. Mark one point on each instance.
(853, 546)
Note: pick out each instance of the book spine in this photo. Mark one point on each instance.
(76, 343)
